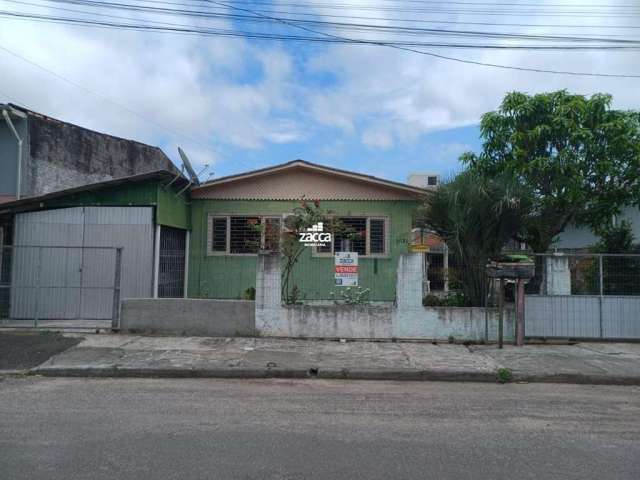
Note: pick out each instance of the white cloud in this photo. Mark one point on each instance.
(227, 92)
(378, 137)
(200, 88)
(410, 94)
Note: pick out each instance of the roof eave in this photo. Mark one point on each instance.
(319, 168)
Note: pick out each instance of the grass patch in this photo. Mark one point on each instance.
(505, 375)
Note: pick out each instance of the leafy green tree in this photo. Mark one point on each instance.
(476, 216)
(580, 158)
(304, 216)
(620, 275)
(616, 238)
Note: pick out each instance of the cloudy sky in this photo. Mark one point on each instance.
(243, 103)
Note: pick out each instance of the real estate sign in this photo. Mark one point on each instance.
(346, 269)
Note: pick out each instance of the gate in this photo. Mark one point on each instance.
(591, 296)
(172, 262)
(55, 286)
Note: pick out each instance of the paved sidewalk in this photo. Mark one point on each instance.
(140, 356)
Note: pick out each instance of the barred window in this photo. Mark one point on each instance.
(365, 235)
(377, 241)
(354, 237)
(219, 234)
(243, 235)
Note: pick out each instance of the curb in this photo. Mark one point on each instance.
(14, 372)
(328, 374)
(577, 379)
(406, 375)
(218, 372)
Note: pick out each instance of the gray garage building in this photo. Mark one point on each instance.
(72, 255)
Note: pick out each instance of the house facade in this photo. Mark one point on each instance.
(178, 240)
(582, 238)
(225, 244)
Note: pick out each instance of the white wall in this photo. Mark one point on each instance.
(408, 319)
(583, 237)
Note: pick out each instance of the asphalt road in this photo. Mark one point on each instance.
(25, 350)
(276, 429)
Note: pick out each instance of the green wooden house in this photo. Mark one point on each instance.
(225, 243)
(174, 234)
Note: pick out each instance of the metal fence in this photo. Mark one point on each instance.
(455, 282)
(584, 296)
(172, 262)
(77, 287)
(586, 274)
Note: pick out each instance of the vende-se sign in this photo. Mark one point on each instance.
(346, 269)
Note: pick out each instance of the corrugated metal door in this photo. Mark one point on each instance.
(127, 227)
(58, 271)
(76, 282)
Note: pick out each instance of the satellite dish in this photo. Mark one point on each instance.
(187, 165)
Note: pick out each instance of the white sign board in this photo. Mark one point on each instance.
(346, 269)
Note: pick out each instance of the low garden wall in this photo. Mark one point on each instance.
(384, 322)
(407, 319)
(188, 316)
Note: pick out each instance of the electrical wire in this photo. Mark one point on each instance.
(445, 57)
(324, 14)
(353, 26)
(324, 37)
(268, 36)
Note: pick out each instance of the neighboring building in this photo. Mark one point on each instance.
(54, 262)
(224, 244)
(424, 180)
(39, 155)
(582, 238)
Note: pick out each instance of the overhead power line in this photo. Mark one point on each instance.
(359, 27)
(324, 37)
(219, 12)
(102, 97)
(632, 45)
(443, 57)
(454, 2)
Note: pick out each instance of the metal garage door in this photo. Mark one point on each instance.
(63, 251)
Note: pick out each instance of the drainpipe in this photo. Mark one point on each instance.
(7, 118)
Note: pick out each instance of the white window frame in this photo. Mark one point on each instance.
(368, 253)
(228, 216)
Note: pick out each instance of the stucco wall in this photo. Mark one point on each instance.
(177, 316)
(62, 155)
(583, 237)
(229, 276)
(408, 319)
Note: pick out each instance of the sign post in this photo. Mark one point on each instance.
(346, 269)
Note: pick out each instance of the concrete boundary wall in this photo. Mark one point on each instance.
(407, 319)
(188, 316)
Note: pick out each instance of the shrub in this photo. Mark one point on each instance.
(249, 294)
(454, 299)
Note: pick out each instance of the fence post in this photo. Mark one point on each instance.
(445, 268)
(601, 288)
(38, 279)
(115, 319)
(520, 312)
(501, 314)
